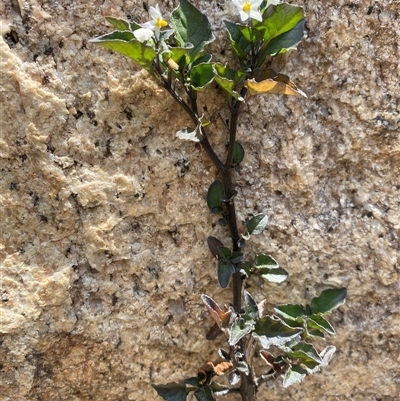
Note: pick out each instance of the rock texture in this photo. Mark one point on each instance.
(103, 228)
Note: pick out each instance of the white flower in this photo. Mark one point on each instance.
(248, 9)
(143, 34)
(157, 21)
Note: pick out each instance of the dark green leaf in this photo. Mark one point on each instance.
(204, 394)
(225, 271)
(303, 350)
(236, 257)
(315, 333)
(193, 381)
(201, 75)
(290, 311)
(191, 26)
(222, 222)
(310, 365)
(294, 375)
(319, 323)
(224, 253)
(256, 224)
(239, 329)
(286, 41)
(126, 44)
(245, 268)
(265, 261)
(271, 330)
(171, 391)
(204, 58)
(251, 306)
(278, 275)
(238, 153)
(328, 300)
(240, 45)
(214, 195)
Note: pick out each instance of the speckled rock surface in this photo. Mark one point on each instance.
(103, 228)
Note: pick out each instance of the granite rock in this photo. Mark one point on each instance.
(104, 223)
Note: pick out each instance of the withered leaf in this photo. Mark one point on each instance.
(270, 81)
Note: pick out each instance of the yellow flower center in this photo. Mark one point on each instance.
(246, 7)
(161, 23)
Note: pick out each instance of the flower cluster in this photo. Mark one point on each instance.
(151, 27)
(247, 9)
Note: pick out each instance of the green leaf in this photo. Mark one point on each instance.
(214, 195)
(125, 43)
(265, 261)
(240, 328)
(279, 19)
(191, 26)
(229, 79)
(238, 153)
(201, 75)
(225, 271)
(315, 333)
(271, 330)
(204, 394)
(303, 350)
(119, 24)
(177, 54)
(240, 45)
(251, 306)
(319, 323)
(251, 34)
(294, 375)
(278, 275)
(328, 300)
(290, 311)
(200, 59)
(256, 224)
(285, 41)
(171, 391)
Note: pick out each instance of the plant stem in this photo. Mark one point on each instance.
(248, 386)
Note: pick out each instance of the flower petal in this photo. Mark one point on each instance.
(143, 34)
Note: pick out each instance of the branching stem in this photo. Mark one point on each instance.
(248, 386)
